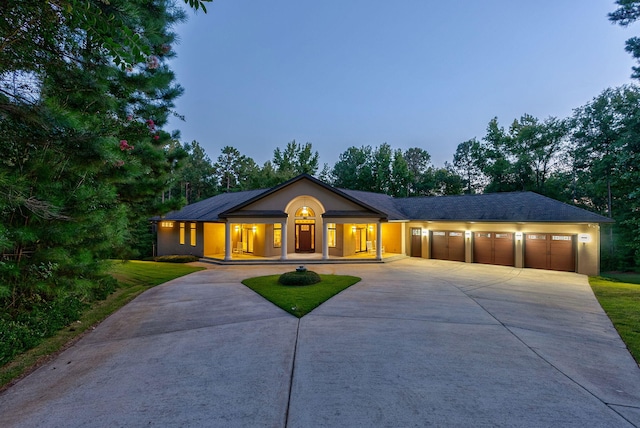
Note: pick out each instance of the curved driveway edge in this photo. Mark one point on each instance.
(415, 343)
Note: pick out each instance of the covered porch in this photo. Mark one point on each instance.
(297, 258)
(251, 240)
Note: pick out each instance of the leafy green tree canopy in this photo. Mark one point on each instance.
(628, 13)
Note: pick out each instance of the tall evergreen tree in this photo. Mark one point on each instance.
(626, 14)
(85, 159)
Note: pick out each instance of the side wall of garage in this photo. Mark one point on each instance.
(586, 238)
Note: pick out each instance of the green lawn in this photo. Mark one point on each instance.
(621, 302)
(299, 300)
(148, 273)
(134, 278)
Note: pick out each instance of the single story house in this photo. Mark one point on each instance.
(312, 219)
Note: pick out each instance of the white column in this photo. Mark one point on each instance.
(325, 241)
(227, 241)
(379, 241)
(283, 239)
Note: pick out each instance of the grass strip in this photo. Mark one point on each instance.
(621, 302)
(299, 300)
(134, 277)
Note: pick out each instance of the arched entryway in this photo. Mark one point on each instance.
(305, 230)
(305, 224)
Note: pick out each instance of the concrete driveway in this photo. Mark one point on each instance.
(415, 343)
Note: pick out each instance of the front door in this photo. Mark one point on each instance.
(305, 234)
(416, 242)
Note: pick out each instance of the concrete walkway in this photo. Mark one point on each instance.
(415, 343)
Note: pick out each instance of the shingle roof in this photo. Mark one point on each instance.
(379, 201)
(509, 207)
(209, 209)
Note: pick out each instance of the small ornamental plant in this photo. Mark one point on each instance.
(299, 277)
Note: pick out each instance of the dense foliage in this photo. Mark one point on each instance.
(84, 92)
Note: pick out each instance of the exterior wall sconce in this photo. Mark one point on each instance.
(467, 234)
(353, 229)
(518, 236)
(584, 238)
(425, 232)
(237, 228)
(254, 228)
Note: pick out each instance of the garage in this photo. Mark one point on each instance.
(493, 248)
(447, 245)
(550, 251)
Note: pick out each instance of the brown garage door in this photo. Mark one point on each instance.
(447, 245)
(550, 251)
(493, 248)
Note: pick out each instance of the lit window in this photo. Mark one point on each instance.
(277, 235)
(167, 224)
(331, 235)
(305, 212)
(193, 235)
(181, 233)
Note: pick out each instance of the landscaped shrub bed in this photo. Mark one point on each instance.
(304, 277)
(177, 259)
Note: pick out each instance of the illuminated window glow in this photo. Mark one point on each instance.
(277, 235)
(305, 212)
(331, 235)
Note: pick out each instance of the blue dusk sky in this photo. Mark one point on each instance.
(411, 73)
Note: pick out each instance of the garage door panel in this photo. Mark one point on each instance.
(447, 245)
(456, 246)
(503, 249)
(494, 248)
(547, 251)
(535, 254)
(561, 253)
(482, 248)
(439, 245)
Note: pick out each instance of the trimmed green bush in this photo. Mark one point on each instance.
(306, 277)
(177, 259)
